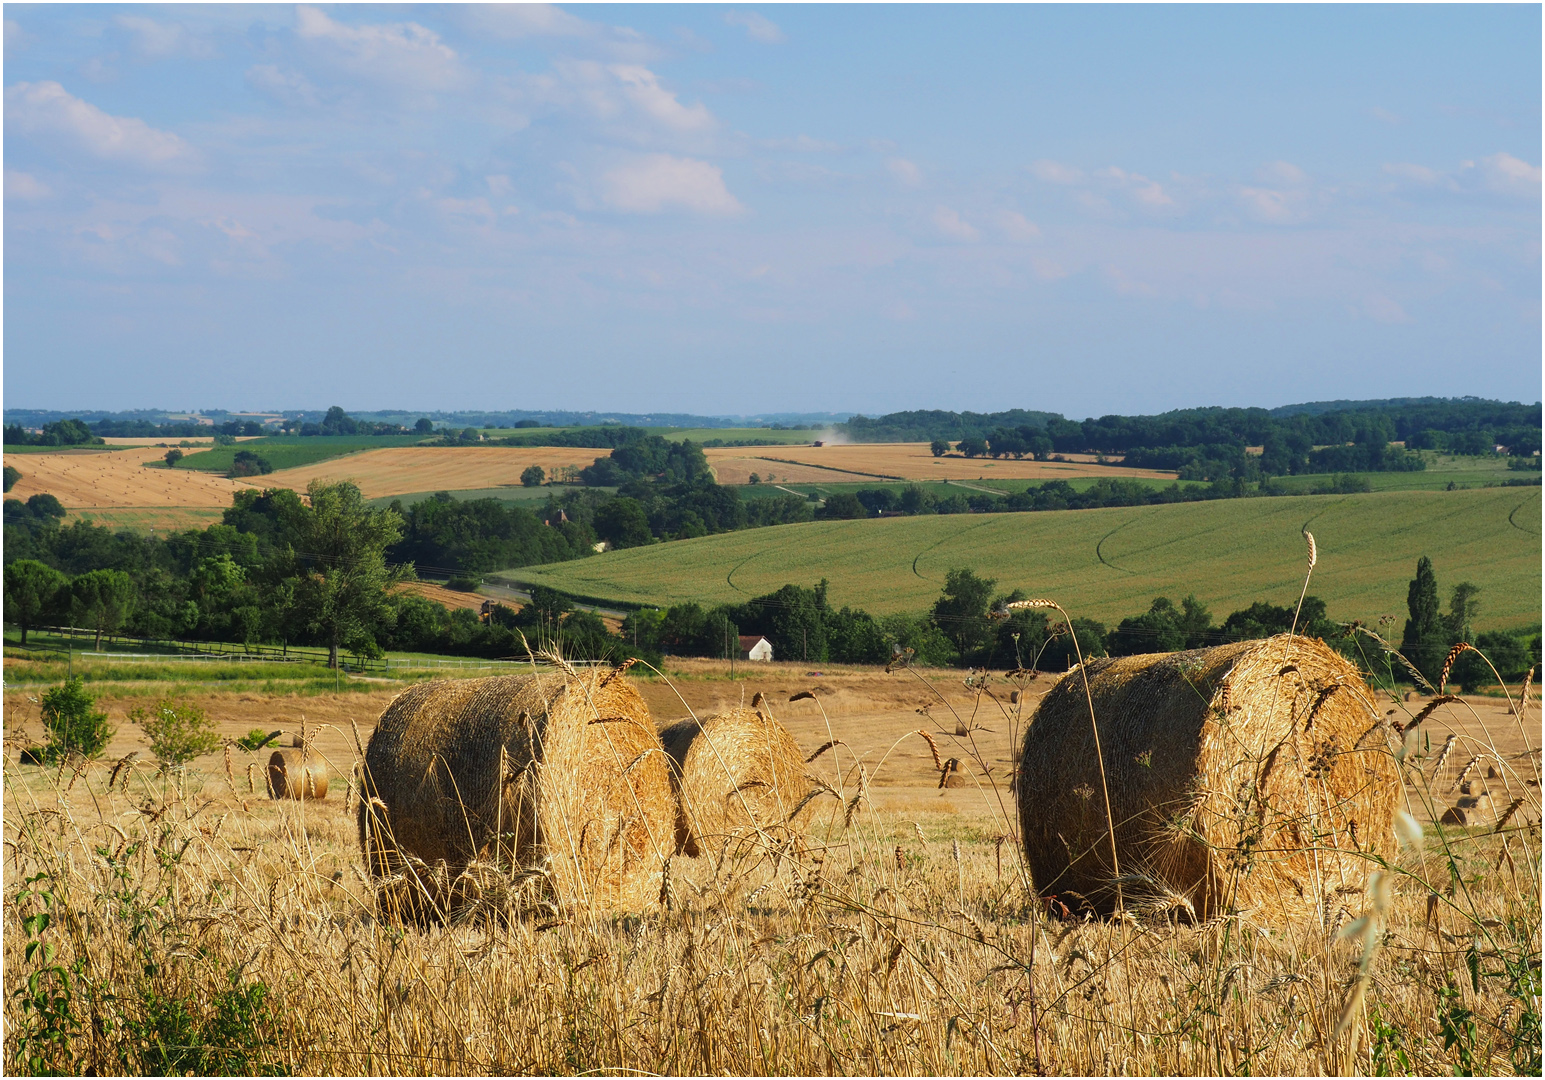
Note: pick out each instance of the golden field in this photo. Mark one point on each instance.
(404, 470)
(85, 480)
(202, 927)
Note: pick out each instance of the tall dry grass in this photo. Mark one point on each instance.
(178, 923)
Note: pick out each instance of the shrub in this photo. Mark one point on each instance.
(12, 474)
(533, 476)
(256, 739)
(69, 714)
(179, 731)
(250, 463)
(463, 583)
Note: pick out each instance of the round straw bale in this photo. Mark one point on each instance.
(735, 774)
(1252, 776)
(584, 798)
(293, 774)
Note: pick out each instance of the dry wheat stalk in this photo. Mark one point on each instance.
(1314, 555)
(1523, 700)
(230, 774)
(1448, 747)
(937, 762)
(1507, 815)
(1448, 662)
(1464, 772)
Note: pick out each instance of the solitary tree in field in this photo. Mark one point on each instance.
(939, 447)
(173, 456)
(32, 590)
(533, 476)
(344, 596)
(1421, 641)
(102, 600)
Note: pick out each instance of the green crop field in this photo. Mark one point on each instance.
(522, 496)
(289, 451)
(1109, 563)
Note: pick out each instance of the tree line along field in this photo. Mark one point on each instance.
(1108, 563)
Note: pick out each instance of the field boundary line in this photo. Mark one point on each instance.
(830, 468)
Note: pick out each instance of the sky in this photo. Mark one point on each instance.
(738, 210)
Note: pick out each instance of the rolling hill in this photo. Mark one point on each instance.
(1112, 562)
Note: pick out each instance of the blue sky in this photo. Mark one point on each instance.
(735, 210)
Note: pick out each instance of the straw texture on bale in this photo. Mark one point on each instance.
(735, 774)
(294, 774)
(1254, 777)
(584, 795)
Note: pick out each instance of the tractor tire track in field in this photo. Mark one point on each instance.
(729, 578)
(942, 540)
(1323, 510)
(1515, 524)
(1100, 554)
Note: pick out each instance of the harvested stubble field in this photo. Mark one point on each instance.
(450, 598)
(1110, 563)
(114, 480)
(907, 461)
(202, 927)
(408, 469)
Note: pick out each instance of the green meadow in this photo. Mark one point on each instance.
(1112, 562)
(290, 451)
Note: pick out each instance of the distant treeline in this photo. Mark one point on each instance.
(1211, 443)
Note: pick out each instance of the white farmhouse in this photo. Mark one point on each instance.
(755, 647)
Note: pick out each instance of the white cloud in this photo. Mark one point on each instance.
(283, 85)
(1281, 172)
(159, 41)
(1506, 174)
(1017, 227)
(758, 28)
(498, 185)
(526, 20)
(1272, 207)
(1054, 172)
(46, 109)
(1145, 191)
(404, 55)
(905, 172)
(20, 185)
(1384, 116)
(15, 36)
(655, 182)
(1382, 309)
(1417, 173)
(951, 224)
(642, 87)
(1499, 174)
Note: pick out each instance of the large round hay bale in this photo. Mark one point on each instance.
(585, 794)
(294, 774)
(736, 774)
(1253, 776)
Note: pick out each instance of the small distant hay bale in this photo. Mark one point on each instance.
(736, 774)
(1454, 815)
(1253, 776)
(294, 774)
(584, 801)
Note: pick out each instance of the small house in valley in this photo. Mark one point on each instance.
(755, 647)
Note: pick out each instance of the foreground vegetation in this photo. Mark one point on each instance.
(173, 922)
